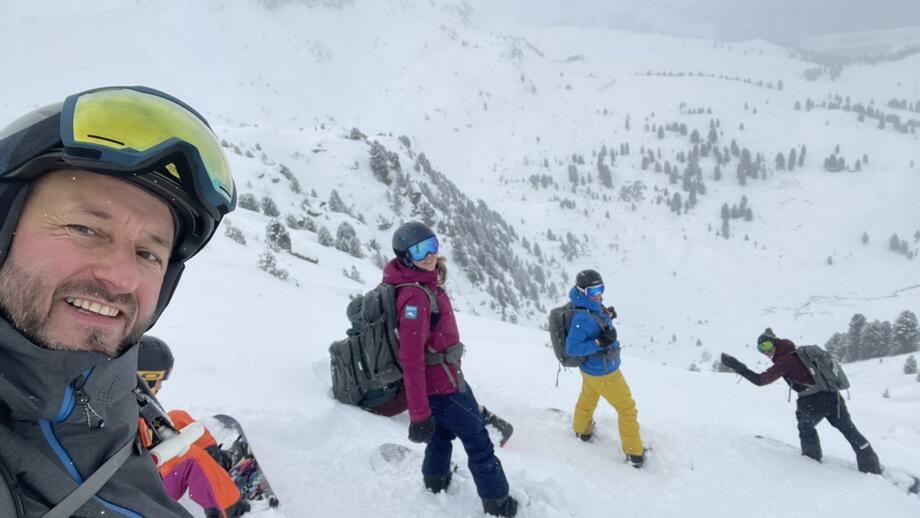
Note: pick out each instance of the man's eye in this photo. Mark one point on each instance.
(83, 230)
(149, 256)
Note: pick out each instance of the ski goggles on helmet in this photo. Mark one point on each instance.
(594, 291)
(145, 136)
(152, 377)
(419, 251)
(765, 347)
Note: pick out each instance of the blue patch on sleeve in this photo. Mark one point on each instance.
(411, 312)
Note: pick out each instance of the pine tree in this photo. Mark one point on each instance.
(324, 237)
(269, 208)
(864, 238)
(836, 346)
(910, 365)
(906, 334)
(851, 351)
(347, 241)
(379, 158)
(874, 341)
(276, 236)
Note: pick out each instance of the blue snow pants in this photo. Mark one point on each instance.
(457, 415)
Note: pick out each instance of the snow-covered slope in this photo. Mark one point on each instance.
(489, 105)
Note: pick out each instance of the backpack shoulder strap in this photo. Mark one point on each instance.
(93, 484)
(600, 321)
(432, 300)
(10, 501)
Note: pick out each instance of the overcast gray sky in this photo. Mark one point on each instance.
(777, 20)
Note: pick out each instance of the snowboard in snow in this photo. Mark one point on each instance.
(896, 476)
(246, 472)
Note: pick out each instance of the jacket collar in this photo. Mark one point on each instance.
(581, 300)
(396, 273)
(34, 380)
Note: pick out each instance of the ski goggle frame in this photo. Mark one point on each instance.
(765, 347)
(128, 127)
(419, 251)
(153, 376)
(594, 291)
(150, 138)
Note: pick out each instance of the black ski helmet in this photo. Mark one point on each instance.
(154, 359)
(588, 278)
(189, 174)
(407, 235)
(767, 336)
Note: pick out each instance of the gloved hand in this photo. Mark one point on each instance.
(612, 352)
(607, 337)
(610, 311)
(731, 362)
(422, 430)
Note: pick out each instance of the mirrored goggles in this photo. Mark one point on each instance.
(135, 127)
(419, 251)
(594, 291)
(765, 347)
(153, 376)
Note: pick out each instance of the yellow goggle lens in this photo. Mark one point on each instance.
(132, 120)
(152, 375)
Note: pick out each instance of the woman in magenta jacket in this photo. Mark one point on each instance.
(441, 404)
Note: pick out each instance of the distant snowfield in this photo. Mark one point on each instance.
(295, 79)
(858, 44)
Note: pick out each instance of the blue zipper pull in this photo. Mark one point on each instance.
(83, 399)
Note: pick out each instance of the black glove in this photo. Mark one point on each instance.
(732, 363)
(421, 431)
(610, 311)
(607, 337)
(611, 353)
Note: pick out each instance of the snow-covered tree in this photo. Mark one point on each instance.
(906, 334)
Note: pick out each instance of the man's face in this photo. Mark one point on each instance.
(86, 263)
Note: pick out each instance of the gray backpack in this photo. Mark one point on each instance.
(365, 365)
(560, 321)
(827, 373)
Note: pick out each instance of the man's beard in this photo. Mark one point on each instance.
(18, 288)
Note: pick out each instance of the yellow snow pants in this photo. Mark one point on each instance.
(615, 390)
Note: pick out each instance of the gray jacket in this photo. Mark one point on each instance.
(62, 414)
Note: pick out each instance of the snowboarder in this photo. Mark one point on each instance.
(103, 198)
(203, 469)
(440, 402)
(592, 335)
(815, 401)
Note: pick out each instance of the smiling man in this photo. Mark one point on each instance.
(103, 198)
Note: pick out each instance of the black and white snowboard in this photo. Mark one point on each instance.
(896, 476)
(245, 472)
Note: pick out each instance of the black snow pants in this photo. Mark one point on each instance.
(811, 410)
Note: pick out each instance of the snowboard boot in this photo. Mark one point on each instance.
(504, 506)
(587, 436)
(504, 427)
(437, 483)
(636, 461)
(236, 510)
(867, 460)
(231, 457)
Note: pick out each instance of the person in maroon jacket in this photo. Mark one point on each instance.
(441, 403)
(810, 409)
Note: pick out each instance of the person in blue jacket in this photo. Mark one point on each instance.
(593, 336)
